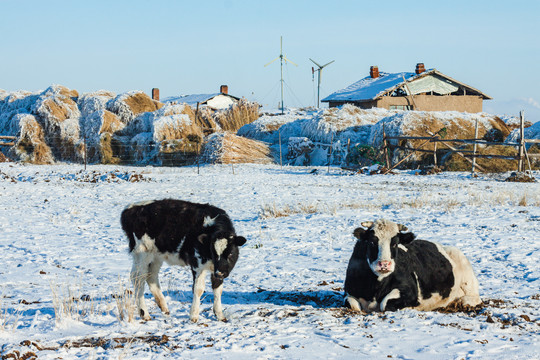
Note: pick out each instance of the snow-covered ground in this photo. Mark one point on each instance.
(65, 266)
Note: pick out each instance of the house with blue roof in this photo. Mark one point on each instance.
(425, 90)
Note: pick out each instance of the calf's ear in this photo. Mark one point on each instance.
(359, 233)
(239, 240)
(202, 237)
(406, 238)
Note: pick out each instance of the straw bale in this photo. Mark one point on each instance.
(111, 123)
(227, 148)
(239, 114)
(31, 146)
(59, 115)
(128, 105)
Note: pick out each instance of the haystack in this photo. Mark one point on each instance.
(128, 105)
(59, 115)
(227, 148)
(239, 114)
(31, 146)
(98, 125)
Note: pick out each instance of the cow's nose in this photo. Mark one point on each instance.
(385, 264)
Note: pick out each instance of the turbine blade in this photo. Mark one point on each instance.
(328, 63)
(272, 61)
(285, 58)
(313, 61)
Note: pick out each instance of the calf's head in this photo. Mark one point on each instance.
(382, 239)
(224, 249)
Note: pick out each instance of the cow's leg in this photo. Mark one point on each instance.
(199, 275)
(153, 284)
(217, 286)
(139, 275)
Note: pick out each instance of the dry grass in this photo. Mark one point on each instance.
(241, 113)
(8, 320)
(69, 303)
(228, 148)
(140, 102)
(125, 303)
(31, 146)
(111, 123)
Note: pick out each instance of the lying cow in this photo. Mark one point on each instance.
(180, 233)
(390, 270)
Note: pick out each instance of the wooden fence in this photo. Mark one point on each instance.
(469, 155)
(4, 140)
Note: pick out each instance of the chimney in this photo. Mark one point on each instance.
(374, 72)
(224, 89)
(420, 68)
(155, 94)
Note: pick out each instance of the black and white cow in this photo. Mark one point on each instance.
(180, 233)
(390, 270)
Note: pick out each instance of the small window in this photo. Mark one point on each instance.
(400, 107)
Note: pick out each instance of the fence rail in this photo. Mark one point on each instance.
(435, 138)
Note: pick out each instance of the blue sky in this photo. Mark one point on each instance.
(194, 47)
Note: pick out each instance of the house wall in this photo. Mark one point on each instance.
(462, 103)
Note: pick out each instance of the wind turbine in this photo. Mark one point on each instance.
(320, 67)
(281, 58)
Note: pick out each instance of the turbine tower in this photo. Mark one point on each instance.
(281, 58)
(320, 67)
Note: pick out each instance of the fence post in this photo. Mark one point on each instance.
(435, 153)
(280, 155)
(85, 152)
(521, 140)
(474, 147)
(385, 148)
(330, 154)
(198, 145)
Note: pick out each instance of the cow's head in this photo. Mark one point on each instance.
(382, 239)
(224, 249)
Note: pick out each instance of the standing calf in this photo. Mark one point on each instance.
(390, 270)
(180, 233)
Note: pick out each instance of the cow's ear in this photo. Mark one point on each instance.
(239, 240)
(406, 238)
(202, 237)
(359, 233)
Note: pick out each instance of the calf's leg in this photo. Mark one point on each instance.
(198, 289)
(217, 286)
(139, 275)
(153, 284)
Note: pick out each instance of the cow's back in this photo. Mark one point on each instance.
(168, 222)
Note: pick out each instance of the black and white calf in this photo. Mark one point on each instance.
(390, 270)
(180, 233)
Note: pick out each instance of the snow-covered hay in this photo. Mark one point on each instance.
(130, 104)
(227, 148)
(239, 114)
(31, 145)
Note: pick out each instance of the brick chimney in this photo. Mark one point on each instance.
(374, 72)
(155, 94)
(420, 68)
(224, 89)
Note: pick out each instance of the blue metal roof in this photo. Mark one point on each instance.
(369, 88)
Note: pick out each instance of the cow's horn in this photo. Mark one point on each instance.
(402, 227)
(367, 224)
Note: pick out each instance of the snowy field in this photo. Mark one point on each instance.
(64, 291)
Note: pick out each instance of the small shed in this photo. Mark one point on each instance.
(427, 90)
(217, 101)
